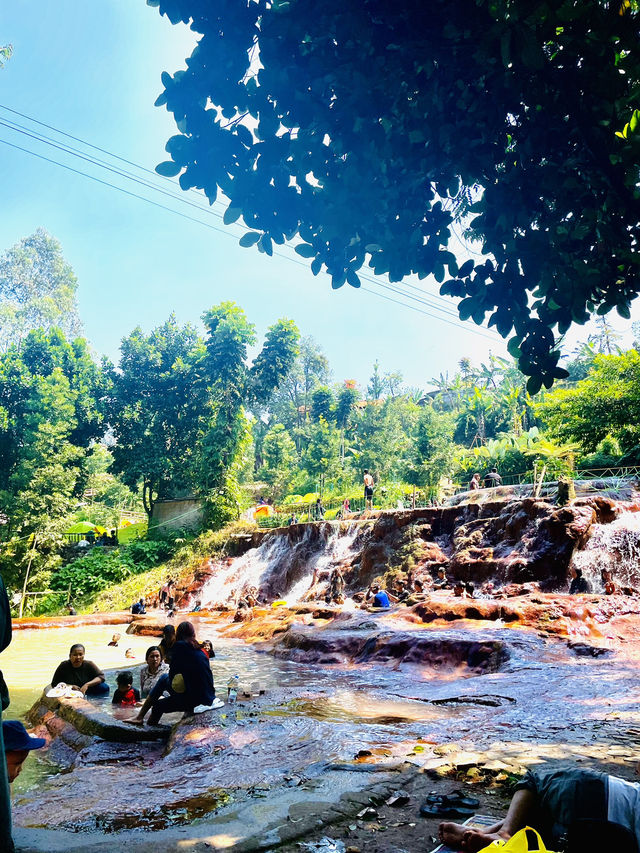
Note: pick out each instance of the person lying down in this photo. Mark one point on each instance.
(580, 811)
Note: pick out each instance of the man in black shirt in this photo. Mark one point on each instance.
(578, 584)
(80, 673)
(492, 478)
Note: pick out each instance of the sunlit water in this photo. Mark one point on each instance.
(347, 701)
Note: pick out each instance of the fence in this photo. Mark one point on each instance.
(333, 507)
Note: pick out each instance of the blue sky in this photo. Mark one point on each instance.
(92, 69)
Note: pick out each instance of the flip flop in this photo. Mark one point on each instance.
(444, 810)
(461, 799)
(455, 799)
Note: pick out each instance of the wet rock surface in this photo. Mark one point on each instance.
(359, 704)
(361, 641)
(391, 710)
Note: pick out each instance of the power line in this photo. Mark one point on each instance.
(91, 145)
(70, 149)
(398, 291)
(104, 165)
(180, 197)
(115, 187)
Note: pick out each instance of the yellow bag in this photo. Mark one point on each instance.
(527, 840)
(178, 685)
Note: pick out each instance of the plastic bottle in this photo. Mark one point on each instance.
(232, 689)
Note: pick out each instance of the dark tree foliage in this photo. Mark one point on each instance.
(365, 128)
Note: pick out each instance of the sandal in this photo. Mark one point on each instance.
(455, 799)
(444, 810)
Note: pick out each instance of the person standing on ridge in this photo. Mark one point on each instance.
(368, 489)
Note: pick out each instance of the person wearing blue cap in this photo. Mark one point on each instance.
(18, 743)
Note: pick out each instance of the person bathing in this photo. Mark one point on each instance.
(80, 673)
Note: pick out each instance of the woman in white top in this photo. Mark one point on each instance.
(151, 671)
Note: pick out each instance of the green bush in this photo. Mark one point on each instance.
(101, 567)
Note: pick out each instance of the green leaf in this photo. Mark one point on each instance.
(466, 269)
(305, 250)
(168, 169)
(249, 239)
(623, 310)
(534, 384)
(513, 348)
(265, 245)
(466, 308)
(634, 121)
(231, 214)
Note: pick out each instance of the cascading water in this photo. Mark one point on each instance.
(279, 567)
(614, 546)
(336, 552)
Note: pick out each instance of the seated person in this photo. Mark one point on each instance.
(152, 670)
(138, 608)
(336, 586)
(18, 743)
(167, 642)
(400, 590)
(188, 684)
(197, 607)
(71, 610)
(417, 594)
(464, 589)
(125, 694)
(114, 640)
(607, 582)
(578, 804)
(492, 479)
(80, 673)
(579, 585)
(441, 581)
(379, 597)
(207, 648)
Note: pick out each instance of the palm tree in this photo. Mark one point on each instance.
(480, 404)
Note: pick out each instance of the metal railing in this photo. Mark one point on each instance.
(305, 512)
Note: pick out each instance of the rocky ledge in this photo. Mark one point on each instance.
(363, 639)
(62, 716)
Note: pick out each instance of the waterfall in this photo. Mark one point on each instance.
(337, 550)
(279, 567)
(614, 546)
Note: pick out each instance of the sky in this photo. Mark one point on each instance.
(92, 70)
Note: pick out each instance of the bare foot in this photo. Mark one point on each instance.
(460, 837)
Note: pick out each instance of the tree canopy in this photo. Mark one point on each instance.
(177, 404)
(365, 129)
(37, 290)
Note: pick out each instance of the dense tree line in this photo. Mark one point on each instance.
(186, 413)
